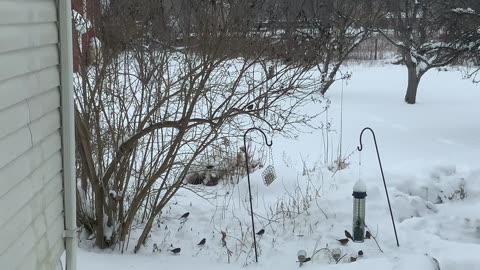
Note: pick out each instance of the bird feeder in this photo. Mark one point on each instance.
(359, 194)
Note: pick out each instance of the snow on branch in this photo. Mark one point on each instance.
(463, 10)
(82, 24)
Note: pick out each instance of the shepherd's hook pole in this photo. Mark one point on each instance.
(360, 148)
(248, 178)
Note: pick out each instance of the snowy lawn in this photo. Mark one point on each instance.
(430, 154)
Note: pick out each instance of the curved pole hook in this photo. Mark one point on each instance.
(261, 131)
(248, 178)
(360, 148)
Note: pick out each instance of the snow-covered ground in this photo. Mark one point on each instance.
(430, 154)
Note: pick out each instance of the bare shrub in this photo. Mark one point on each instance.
(148, 110)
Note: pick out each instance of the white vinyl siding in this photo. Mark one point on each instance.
(31, 178)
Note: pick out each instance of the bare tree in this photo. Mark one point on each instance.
(467, 15)
(328, 30)
(424, 33)
(145, 111)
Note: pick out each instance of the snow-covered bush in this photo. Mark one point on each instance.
(443, 184)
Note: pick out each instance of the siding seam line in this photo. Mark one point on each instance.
(29, 123)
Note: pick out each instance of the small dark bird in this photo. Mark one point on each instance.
(348, 235)
(176, 250)
(202, 242)
(352, 259)
(343, 241)
(368, 235)
(360, 253)
(185, 215)
(261, 232)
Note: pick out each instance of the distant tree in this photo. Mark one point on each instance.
(328, 30)
(467, 15)
(426, 35)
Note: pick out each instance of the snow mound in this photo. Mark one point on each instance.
(406, 206)
(442, 185)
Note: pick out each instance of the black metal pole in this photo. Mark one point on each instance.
(360, 148)
(248, 178)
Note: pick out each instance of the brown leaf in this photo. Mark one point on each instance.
(352, 259)
(343, 241)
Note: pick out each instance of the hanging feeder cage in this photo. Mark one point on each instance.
(269, 175)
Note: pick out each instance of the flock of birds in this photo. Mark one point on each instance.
(201, 243)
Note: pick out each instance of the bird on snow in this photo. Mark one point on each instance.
(202, 242)
(175, 250)
(343, 241)
(261, 232)
(184, 216)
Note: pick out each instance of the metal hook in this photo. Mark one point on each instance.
(360, 148)
(248, 178)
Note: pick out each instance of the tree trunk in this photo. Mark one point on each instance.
(413, 81)
(146, 230)
(99, 216)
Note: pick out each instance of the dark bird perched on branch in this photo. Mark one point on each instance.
(261, 232)
(202, 242)
(176, 250)
(185, 215)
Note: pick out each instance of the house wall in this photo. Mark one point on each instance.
(31, 198)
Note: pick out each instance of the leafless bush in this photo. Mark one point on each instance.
(147, 111)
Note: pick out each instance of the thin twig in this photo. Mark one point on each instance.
(316, 252)
(374, 238)
(339, 259)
